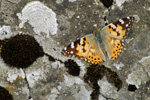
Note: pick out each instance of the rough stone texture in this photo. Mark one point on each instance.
(49, 80)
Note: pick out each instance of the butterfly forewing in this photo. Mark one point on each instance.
(87, 47)
(116, 31)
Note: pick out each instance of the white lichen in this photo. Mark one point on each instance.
(137, 18)
(56, 65)
(12, 74)
(137, 76)
(5, 31)
(148, 9)
(70, 81)
(40, 17)
(83, 94)
(25, 90)
(145, 61)
(101, 97)
(140, 72)
(54, 93)
(118, 66)
(59, 1)
(119, 3)
(34, 76)
(106, 89)
(70, 13)
(72, 0)
(36, 71)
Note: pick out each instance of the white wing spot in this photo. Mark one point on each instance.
(81, 41)
(120, 20)
(65, 48)
(128, 17)
(129, 22)
(122, 40)
(71, 52)
(127, 25)
(67, 52)
(72, 45)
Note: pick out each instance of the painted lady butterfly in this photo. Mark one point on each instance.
(108, 40)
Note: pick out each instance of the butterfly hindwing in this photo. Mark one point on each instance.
(114, 33)
(87, 48)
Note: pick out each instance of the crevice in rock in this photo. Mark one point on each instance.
(27, 84)
(10, 2)
(50, 57)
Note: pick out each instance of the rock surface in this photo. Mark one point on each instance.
(56, 23)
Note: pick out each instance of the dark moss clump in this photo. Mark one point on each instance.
(21, 51)
(107, 3)
(2, 42)
(132, 88)
(95, 94)
(73, 68)
(4, 94)
(96, 72)
(114, 79)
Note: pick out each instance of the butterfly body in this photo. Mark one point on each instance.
(101, 43)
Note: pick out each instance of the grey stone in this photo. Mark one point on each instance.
(59, 23)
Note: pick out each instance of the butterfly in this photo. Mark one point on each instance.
(107, 41)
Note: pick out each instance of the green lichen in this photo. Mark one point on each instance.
(21, 51)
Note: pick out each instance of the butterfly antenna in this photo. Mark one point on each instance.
(106, 21)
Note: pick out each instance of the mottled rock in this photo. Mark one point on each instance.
(56, 23)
